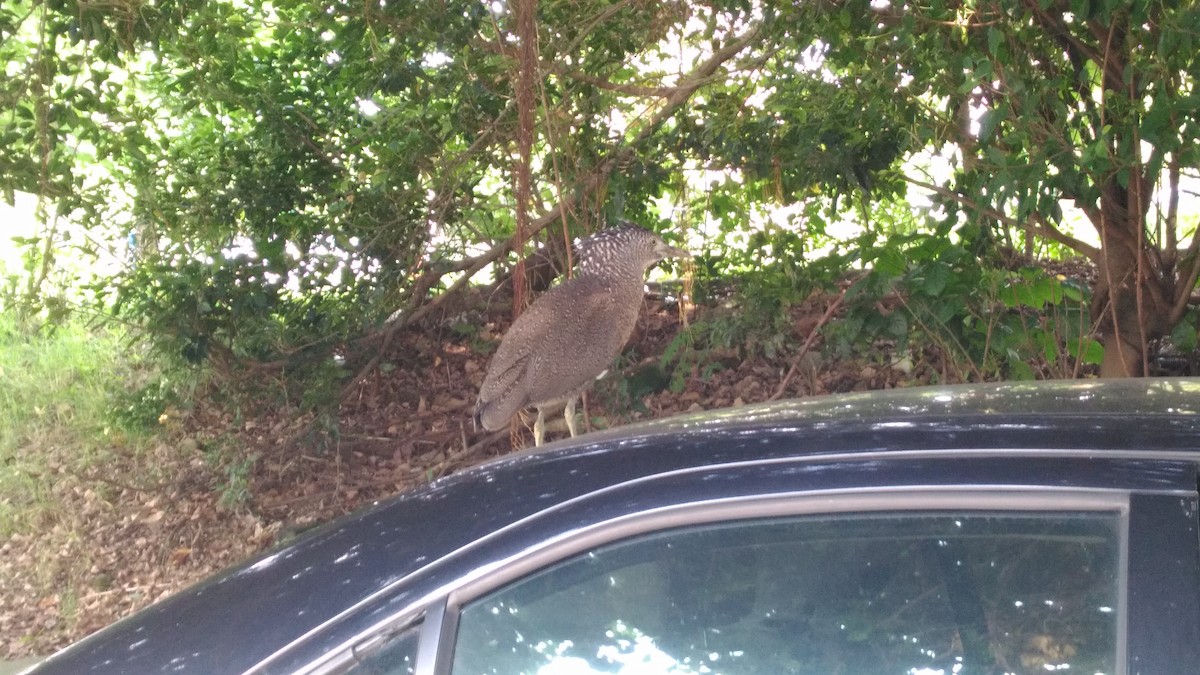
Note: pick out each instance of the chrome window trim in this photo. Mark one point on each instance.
(430, 642)
(1188, 456)
(447, 631)
(341, 657)
(440, 609)
(857, 500)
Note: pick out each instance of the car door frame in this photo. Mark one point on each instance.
(1156, 499)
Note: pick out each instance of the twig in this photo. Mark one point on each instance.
(600, 17)
(123, 590)
(1044, 230)
(146, 489)
(941, 342)
(812, 337)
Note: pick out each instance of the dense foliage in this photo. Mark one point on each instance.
(289, 174)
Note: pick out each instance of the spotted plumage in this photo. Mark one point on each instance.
(571, 334)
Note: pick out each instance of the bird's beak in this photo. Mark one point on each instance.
(664, 250)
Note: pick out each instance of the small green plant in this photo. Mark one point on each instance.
(236, 490)
(756, 320)
(1186, 334)
(143, 408)
(235, 468)
(1045, 329)
(692, 348)
(989, 322)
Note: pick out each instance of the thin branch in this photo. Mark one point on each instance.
(1142, 204)
(942, 343)
(445, 189)
(812, 337)
(1193, 249)
(1041, 229)
(696, 79)
(527, 73)
(660, 91)
(644, 91)
(1184, 296)
(1054, 22)
(1172, 235)
(558, 179)
(601, 16)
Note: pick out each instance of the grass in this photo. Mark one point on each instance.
(91, 454)
(58, 394)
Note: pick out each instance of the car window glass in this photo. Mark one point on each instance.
(396, 656)
(912, 594)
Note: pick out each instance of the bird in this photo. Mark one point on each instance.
(570, 335)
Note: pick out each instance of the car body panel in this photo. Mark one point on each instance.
(1164, 585)
(292, 605)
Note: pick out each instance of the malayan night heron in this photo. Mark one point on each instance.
(571, 334)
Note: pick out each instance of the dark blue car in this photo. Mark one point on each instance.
(1017, 528)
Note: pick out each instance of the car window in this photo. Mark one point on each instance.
(913, 594)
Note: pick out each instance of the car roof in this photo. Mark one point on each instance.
(1125, 397)
(291, 591)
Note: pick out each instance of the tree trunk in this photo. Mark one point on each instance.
(1131, 305)
(1121, 359)
(1115, 305)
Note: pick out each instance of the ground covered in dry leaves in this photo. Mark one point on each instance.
(220, 488)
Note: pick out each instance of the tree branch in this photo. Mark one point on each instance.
(660, 91)
(1041, 229)
(812, 336)
(600, 17)
(647, 91)
(1188, 279)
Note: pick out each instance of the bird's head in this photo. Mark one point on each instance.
(624, 249)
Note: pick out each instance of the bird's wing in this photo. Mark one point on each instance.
(580, 345)
(500, 396)
(503, 392)
(556, 347)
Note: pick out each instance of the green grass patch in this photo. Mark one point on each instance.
(65, 406)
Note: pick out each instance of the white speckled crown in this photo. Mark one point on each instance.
(623, 248)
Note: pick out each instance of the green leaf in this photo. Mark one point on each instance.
(1072, 292)
(936, 279)
(891, 263)
(994, 40)
(1184, 335)
(1019, 370)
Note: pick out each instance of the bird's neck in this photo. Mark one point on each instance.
(617, 272)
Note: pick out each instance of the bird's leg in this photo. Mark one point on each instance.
(539, 429)
(569, 413)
